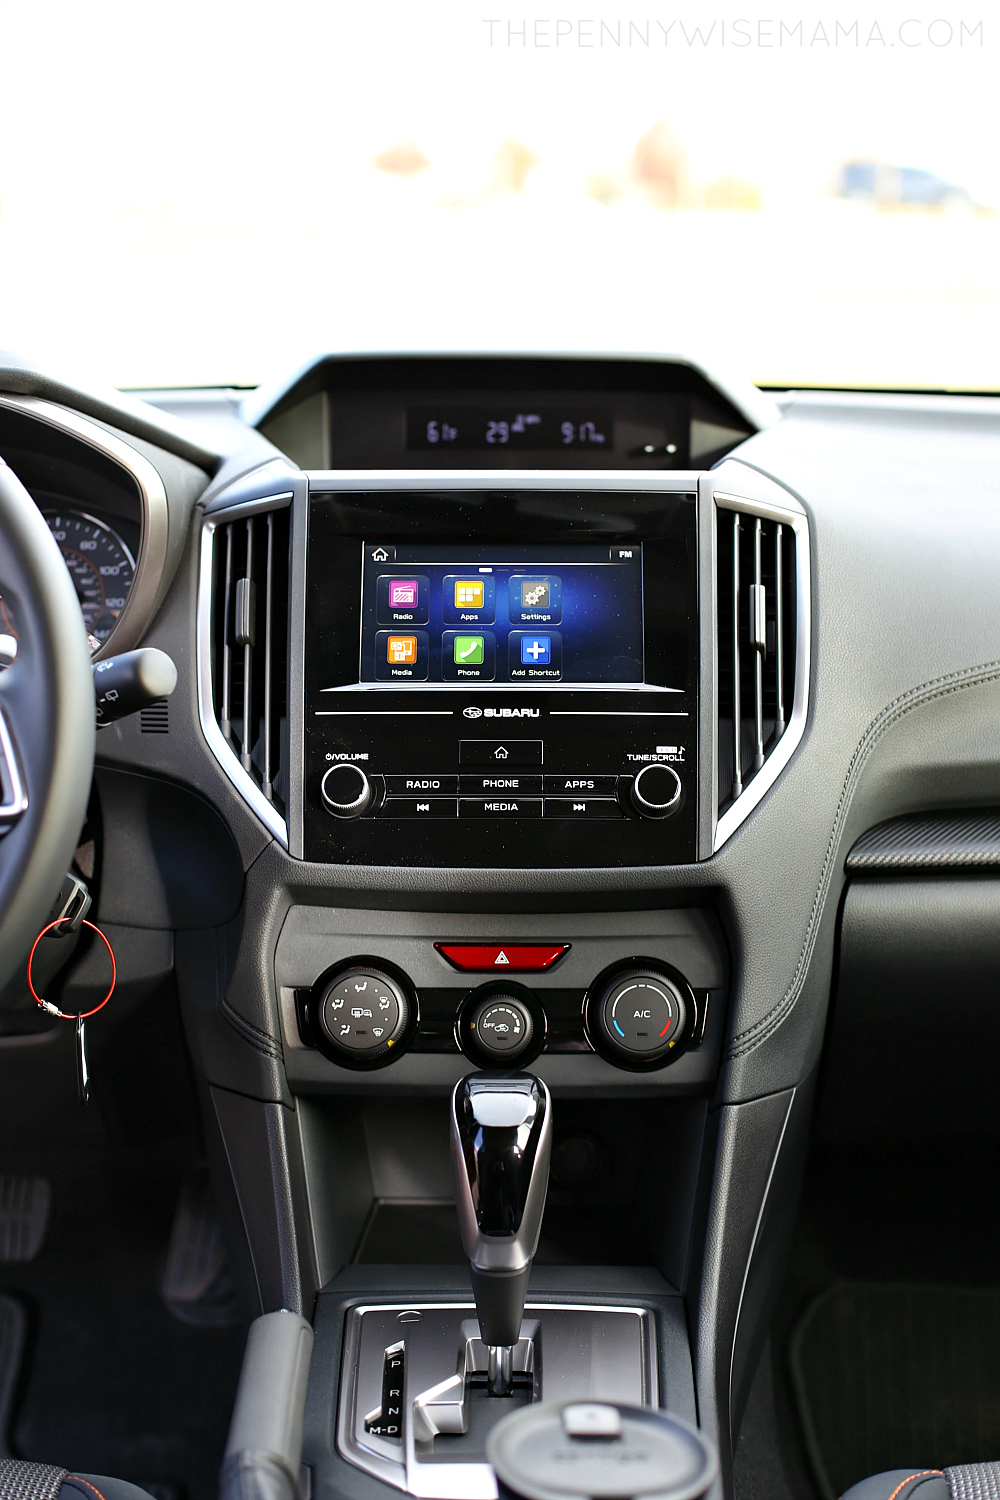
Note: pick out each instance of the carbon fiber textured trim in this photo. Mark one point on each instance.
(939, 842)
(20, 1480)
(974, 1481)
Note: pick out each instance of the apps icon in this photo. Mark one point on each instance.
(470, 593)
(536, 650)
(470, 650)
(403, 593)
(401, 650)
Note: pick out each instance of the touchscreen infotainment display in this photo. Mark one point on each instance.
(500, 614)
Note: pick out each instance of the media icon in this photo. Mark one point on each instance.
(401, 658)
(401, 650)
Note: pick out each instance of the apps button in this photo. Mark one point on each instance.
(402, 657)
(467, 657)
(535, 600)
(469, 598)
(534, 656)
(402, 600)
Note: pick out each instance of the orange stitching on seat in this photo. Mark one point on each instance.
(923, 1474)
(93, 1487)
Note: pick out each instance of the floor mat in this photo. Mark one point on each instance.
(888, 1376)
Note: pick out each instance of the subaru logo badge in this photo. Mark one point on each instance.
(473, 713)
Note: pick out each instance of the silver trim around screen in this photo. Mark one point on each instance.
(214, 738)
(142, 598)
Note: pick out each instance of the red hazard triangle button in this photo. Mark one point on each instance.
(523, 956)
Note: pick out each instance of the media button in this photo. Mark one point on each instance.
(582, 807)
(500, 807)
(503, 754)
(402, 656)
(500, 785)
(420, 786)
(581, 786)
(419, 807)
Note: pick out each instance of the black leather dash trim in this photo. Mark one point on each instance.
(917, 697)
(259, 1040)
(941, 841)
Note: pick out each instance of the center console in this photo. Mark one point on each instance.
(501, 678)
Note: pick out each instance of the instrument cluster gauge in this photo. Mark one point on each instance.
(101, 566)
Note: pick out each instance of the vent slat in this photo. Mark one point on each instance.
(251, 559)
(756, 643)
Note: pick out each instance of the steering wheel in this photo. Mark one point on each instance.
(46, 724)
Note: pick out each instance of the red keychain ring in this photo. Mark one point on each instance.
(45, 1004)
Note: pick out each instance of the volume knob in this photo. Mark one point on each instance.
(656, 791)
(346, 791)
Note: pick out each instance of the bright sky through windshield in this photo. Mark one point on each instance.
(207, 191)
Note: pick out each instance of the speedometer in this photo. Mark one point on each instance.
(101, 566)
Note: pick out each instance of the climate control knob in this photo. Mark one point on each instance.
(501, 1024)
(656, 791)
(362, 1014)
(638, 1017)
(346, 791)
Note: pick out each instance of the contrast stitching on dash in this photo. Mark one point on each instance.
(927, 692)
(923, 1474)
(77, 1480)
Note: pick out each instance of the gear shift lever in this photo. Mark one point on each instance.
(501, 1139)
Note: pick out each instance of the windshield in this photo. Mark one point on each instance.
(201, 192)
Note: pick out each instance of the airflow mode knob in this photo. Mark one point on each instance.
(656, 791)
(346, 791)
(362, 1013)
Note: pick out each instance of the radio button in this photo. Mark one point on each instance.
(419, 807)
(502, 754)
(420, 786)
(500, 807)
(581, 786)
(494, 786)
(586, 807)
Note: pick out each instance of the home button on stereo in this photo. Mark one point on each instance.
(656, 791)
(346, 791)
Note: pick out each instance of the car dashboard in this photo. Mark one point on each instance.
(507, 684)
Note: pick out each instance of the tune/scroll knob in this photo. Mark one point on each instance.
(346, 791)
(656, 791)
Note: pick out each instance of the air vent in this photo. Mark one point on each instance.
(249, 649)
(156, 718)
(757, 621)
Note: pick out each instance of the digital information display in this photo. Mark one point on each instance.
(501, 614)
(482, 428)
